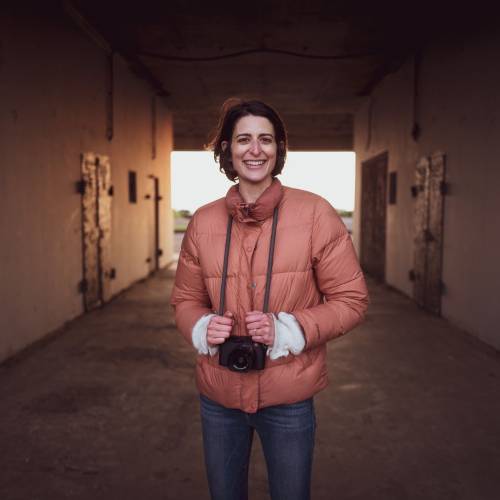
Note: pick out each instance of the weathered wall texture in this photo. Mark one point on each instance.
(459, 114)
(52, 109)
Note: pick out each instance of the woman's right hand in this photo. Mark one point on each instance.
(219, 328)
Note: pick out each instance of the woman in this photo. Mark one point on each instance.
(317, 293)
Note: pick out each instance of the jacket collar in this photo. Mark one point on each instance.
(258, 211)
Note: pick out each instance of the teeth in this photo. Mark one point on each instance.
(255, 163)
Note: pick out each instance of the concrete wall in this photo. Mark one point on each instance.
(52, 109)
(459, 113)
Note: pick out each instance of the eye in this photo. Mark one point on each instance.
(243, 140)
(266, 140)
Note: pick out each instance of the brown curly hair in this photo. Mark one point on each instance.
(231, 111)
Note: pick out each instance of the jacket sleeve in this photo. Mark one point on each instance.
(338, 277)
(189, 296)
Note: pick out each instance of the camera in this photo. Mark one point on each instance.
(241, 354)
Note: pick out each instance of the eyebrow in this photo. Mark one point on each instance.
(260, 135)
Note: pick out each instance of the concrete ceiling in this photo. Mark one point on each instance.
(313, 60)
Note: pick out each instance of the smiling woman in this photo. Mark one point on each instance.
(249, 132)
(253, 153)
(262, 349)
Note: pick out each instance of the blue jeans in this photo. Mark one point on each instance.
(287, 436)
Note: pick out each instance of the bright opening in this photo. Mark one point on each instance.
(196, 180)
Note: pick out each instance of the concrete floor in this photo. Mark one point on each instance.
(108, 410)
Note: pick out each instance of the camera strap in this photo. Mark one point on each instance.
(269, 263)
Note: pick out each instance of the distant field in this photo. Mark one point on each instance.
(180, 225)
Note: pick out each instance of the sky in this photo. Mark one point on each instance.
(196, 179)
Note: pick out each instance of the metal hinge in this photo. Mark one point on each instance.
(80, 187)
(428, 236)
(83, 286)
(416, 131)
(415, 189)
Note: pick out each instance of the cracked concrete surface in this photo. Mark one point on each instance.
(108, 409)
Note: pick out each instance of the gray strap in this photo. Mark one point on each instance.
(270, 261)
(224, 268)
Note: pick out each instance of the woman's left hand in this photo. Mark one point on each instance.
(260, 326)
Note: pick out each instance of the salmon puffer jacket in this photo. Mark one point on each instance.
(316, 277)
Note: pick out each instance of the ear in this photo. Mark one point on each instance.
(223, 145)
(281, 146)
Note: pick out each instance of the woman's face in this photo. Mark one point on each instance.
(254, 149)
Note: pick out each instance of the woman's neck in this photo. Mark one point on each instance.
(250, 192)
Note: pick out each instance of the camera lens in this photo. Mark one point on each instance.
(240, 363)
(240, 360)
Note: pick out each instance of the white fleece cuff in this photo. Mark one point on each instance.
(288, 336)
(199, 336)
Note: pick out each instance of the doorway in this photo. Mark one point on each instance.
(373, 216)
(155, 252)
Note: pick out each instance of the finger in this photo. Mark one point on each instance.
(222, 320)
(258, 324)
(262, 339)
(261, 330)
(220, 328)
(254, 315)
(217, 335)
(216, 341)
(228, 314)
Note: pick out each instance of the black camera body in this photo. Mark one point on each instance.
(241, 354)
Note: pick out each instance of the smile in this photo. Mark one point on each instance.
(254, 163)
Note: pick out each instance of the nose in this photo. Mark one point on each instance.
(255, 148)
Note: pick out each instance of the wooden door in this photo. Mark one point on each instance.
(104, 194)
(96, 229)
(373, 216)
(428, 191)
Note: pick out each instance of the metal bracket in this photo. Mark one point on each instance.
(428, 236)
(416, 131)
(83, 286)
(80, 187)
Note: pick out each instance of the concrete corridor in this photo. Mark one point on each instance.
(107, 409)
